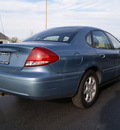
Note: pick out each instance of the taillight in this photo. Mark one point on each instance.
(41, 56)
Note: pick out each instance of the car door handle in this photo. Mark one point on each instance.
(102, 56)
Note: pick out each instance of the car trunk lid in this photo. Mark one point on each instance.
(13, 57)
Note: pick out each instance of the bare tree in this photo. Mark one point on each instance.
(14, 39)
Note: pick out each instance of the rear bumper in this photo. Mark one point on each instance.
(40, 85)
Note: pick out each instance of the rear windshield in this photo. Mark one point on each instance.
(55, 35)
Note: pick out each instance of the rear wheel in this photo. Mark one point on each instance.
(88, 90)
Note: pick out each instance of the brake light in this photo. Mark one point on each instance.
(41, 56)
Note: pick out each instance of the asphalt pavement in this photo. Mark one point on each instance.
(24, 114)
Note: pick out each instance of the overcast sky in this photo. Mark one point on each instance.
(21, 18)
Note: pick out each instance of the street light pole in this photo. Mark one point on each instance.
(46, 16)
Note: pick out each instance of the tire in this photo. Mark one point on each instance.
(87, 91)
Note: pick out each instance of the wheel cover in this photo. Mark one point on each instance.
(89, 89)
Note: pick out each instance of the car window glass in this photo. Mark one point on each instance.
(100, 40)
(65, 38)
(114, 41)
(52, 38)
(89, 40)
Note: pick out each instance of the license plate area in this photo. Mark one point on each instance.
(4, 58)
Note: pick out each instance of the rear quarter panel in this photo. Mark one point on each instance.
(76, 56)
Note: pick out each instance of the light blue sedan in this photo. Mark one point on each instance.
(60, 62)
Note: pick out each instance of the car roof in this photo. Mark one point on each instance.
(74, 28)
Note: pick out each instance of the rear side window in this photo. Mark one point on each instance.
(100, 40)
(114, 41)
(66, 38)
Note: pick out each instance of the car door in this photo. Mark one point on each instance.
(116, 45)
(107, 56)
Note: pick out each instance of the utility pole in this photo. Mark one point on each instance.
(46, 16)
(1, 24)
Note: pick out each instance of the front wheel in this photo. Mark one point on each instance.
(88, 90)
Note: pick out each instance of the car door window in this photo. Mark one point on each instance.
(100, 40)
(114, 41)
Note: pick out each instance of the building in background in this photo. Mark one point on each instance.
(4, 39)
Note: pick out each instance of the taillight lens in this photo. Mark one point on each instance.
(41, 56)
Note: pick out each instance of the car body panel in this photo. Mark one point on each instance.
(118, 72)
(108, 64)
(42, 84)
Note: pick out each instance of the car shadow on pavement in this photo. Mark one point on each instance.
(61, 101)
(110, 114)
(110, 108)
(2, 117)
